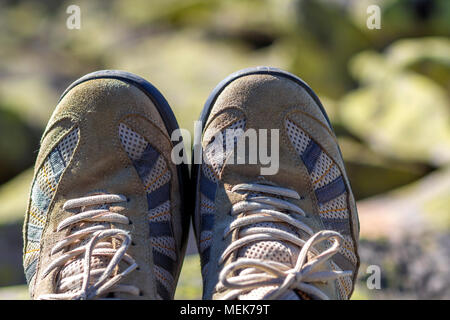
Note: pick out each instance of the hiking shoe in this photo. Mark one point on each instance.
(286, 232)
(105, 217)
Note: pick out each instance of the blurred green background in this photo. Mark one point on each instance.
(386, 91)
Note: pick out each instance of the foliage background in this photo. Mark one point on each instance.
(386, 91)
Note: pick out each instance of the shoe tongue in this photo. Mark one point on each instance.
(261, 293)
(279, 251)
(76, 266)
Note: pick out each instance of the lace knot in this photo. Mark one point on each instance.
(268, 205)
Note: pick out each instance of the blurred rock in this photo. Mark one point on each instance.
(426, 56)
(11, 247)
(399, 113)
(405, 18)
(407, 234)
(399, 19)
(187, 65)
(418, 207)
(371, 173)
(14, 199)
(413, 267)
(18, 142)
(320, 44)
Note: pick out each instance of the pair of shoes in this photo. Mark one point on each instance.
(109, 210)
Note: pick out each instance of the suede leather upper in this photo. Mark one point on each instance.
(265, 102)
(99, 163)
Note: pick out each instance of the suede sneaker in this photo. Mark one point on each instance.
(105, 216)
(280, 229)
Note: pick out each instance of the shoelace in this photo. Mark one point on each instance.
(107, 282)
(256, 273)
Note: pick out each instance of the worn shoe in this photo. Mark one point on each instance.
(105, 217)
(288, 233)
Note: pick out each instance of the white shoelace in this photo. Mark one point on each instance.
(109, 277)
(256, 273)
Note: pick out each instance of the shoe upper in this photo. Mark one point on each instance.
(104, 214)
(311, 178)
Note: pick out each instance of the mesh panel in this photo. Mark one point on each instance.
(348, 243)
(165, 278)
(263, 292)
(68, 144)
(37, 218)
(324, 171)
(205, 240)
(344, 285)
(44, 187)
(165, 245)
(258, 293)
(267, 250)
(240, 124)
(133, 143)
(32, 252)
(297, 136)
(209, 173)
(160, 213)
(348, 249)
(153, 177)
(158, 176)
(206, 205)
(214, 157)
(75, 267)
(277, 251)
(323, 166)
(347, 285)
(335, 209)
(48, 175)
(338, 282)
(230, 138)
(325, 177)
(45, 179)
(211, 168)
(270, 250)
(215, 154)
